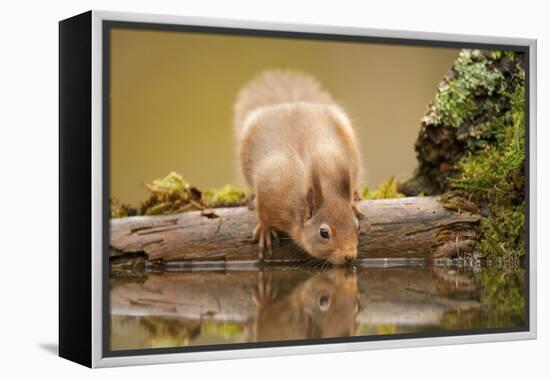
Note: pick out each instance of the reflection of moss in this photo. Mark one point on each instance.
(473, 140)
(130, 332)
(502, 302)
(459, 319)
(390, 329)
(165, 332)
(387, 189)
(223, 329)
(172, 194)
(503, 293)
(152, 331)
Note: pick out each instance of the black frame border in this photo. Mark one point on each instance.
(109, 25)
(75, 189)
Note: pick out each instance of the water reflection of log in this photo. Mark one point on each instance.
(409, 297)
(408, 227)
(219, 296)
(403, 296)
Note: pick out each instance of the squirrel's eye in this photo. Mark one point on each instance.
(323, 231)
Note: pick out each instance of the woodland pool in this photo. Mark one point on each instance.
(246, 304)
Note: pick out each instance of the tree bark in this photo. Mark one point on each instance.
(407, 227)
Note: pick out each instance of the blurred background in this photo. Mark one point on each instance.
(172, 95)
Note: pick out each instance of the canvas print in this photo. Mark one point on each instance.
(273, 190)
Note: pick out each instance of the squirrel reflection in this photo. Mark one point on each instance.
(323, 306)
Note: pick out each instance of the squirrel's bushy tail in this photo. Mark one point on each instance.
(276, 87)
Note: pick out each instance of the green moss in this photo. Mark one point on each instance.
(473, 98)
(494, 176)
(387, 189)
(172, 194)
(120, 210)
(226, 196)
(472, 142)
(173, 183)
(498, 168)
(503, 232)
(457, 201)
(456, 99)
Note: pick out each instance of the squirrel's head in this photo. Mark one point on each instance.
(331, 221)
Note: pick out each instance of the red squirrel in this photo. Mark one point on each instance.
(299, 153)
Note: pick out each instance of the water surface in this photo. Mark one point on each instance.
(245, 305)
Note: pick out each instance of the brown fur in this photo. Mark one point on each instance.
(325, 305)
(299, 153)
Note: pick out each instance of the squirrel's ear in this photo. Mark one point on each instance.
(309, 203)
(345, 184)
(314, 197)
(317, 190)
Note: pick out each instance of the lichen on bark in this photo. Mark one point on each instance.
(472, 141)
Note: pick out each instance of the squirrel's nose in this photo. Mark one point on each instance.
(349, 258)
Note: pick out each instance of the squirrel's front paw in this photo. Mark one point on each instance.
(358, 212)
(264, 235)
(264, 293)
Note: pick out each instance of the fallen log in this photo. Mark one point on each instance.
(406, 227)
